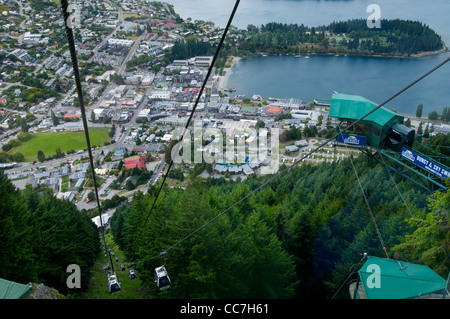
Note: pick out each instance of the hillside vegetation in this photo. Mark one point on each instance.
(296, 238)
(41, 235)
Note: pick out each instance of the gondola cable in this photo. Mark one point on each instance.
(73, 55)
(351, 273)
(395, 184)
(380, 238)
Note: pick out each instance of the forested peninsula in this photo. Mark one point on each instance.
(395, 38)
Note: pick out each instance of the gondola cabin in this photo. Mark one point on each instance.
(162, 278)
(113, 283)
(381, 129)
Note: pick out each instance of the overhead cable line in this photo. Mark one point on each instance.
(351, 273)
(195, 106)
(395, 184)
(380, 238)
(305, 156)
(436, 275)
(76, 72)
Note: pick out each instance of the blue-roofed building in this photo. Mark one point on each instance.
(42, 175)
(79, 183)
(83, 166)
(120, 151)
(64, 171)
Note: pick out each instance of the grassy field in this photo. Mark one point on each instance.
(130, 15)
(49, 141)
(98, 286)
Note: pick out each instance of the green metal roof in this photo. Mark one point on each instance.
(398, 279)
(249, 109)
(353, 107)
(13, 290)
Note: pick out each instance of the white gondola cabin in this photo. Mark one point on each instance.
(113, 283)
(162, 278)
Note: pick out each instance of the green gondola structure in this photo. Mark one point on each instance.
(382, 278)
(382, 132)
(382, 135)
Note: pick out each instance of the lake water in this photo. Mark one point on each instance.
(316, 78)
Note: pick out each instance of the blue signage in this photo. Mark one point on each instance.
(425, 163)
(352, 140)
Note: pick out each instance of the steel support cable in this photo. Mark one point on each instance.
(395, 184)
(194, 107)
(351, 273)
(76, 72)
(380, 238)
(436, 275)
(308, 154)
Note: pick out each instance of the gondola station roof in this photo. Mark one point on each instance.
(13, 290)
(352, 107)
(381, 278)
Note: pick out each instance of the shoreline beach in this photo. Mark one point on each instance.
(223, 78)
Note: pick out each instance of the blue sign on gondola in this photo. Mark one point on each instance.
(425, 163)
(352, 140)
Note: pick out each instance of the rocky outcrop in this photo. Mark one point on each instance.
(40, 291)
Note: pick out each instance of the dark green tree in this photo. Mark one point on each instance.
(55, 119)
(419, 110)
(429, 242)
(260, 124)
(433, 115)
(91, 195)
(23, 125)
(426, 132)
(40, 156)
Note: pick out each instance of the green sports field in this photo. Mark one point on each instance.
(48, 142)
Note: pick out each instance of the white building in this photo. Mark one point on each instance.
(305, 115)
(121, 42)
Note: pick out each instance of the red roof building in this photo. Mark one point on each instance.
(135, 161)
(140, 148)
(69, 117)
(273, 110)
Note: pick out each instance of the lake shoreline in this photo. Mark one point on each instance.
(223, 78)
(412, 56)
